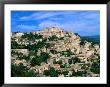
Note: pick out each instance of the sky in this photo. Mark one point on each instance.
(85, 23)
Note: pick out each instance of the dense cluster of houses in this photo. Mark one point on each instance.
(71, 42)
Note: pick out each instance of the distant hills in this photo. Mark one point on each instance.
(95, 39)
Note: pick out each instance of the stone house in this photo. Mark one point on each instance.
(43, 67)
(24, 51)
(18, 62)
(56, 66)
(76, 67)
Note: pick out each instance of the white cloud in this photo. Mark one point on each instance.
(32, 16)
(56, 19)
(90, 15)
(26, 26)
(67, 26)
(42, 15)
(48, 24)
(75, 21)
(24, 18)
(74, 26)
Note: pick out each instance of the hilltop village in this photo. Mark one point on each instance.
(53, 52)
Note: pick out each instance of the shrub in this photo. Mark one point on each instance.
(35, 61)
(21, 71)
(46, 72)
(95, 67)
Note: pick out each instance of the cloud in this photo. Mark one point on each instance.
(26, 27)
(91, 14)
(24, 18)
(56, 19)
(48, 24)
(32, 16)
(45, 14)
(81, 27)
(82, 22)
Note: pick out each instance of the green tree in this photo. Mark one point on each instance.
(27, 58)
(53, 38)
(44, 56)
(57, 62)
(75, 60)
(79, 73)
(95, 67)
(47, 45)
(53, 51)
(67, 53)
(59, 72)
(31, 73)
(35, 61)
(31, 36)
(14, 45)
(46, 72)
(21, 71)
(65, 72)
(70, 61)
(53, 72)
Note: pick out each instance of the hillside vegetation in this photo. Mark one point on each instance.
(53, 52)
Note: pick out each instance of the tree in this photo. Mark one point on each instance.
(31, 36)
(79, 73)
(67, 53)
(35, 47)
(95, 67)
(54, 61)
(21, 71)
(59, 72)
(20, 55)
(82, 42)
(61, 38)
(75, 60)
(70, 61)
(53, 38)
(31, 73)
(44, 56)
(35, 61)
(76, 34)
(46, 72)
(65, 72)
(53, 72)
(53, 51)
(14, 45)
(57, 62)
(48, 45)
(62, 66)
(39, 59)
(27, 58)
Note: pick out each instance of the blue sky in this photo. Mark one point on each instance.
(85, 23)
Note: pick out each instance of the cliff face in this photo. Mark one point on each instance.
(61, 46)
